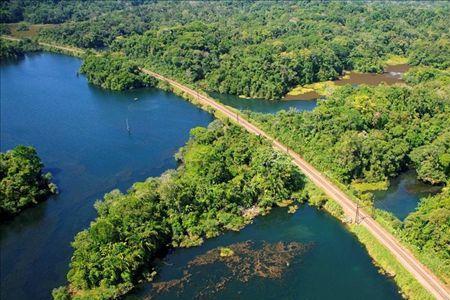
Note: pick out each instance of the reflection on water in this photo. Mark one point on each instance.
(262, 105)
(318, 249)
(403, 194)
(80, 133)
(308, 101)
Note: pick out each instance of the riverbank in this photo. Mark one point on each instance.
(203, 100)
(382, 258)
(398, 250)
(85, 145)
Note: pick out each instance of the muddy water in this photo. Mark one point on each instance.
(313, 95)
(392, 75)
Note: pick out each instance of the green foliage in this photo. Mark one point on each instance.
(21, 180)
(61, 293)
(428, 228)
(54, 12)
(114, 72)
(366, 134)
(4, 29)
(424, 74)
(223, 172)
(259, 49)
(23, 26)
(432, 161)
(15, 50)
(436, 54)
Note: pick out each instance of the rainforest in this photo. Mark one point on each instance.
(332, 106)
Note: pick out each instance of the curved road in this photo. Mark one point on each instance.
(403, 255)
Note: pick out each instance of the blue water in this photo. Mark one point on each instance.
(264, 106)
(336, 267)
(404, 194)
(80, 133)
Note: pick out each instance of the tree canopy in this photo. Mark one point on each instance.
(255, 49)
(224, 172)
(16, 49)
(114, 72)
(21, 180)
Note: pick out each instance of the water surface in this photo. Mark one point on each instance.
(392, 75)
(80, 133)
(336, 267)
(403, 194)
(263, 105)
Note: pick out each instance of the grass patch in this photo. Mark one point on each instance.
(300, 90)
(370, 186)
(323, 88)
(31, 32)
(396, 60)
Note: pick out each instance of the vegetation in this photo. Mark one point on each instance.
(363, 136)
(224, 172)
(114, 72)
(15, 50)
(428, 230)
(360, 136)
(54, 12)
(253, 49)
(21, 180)
(409, 286)
(369, 134)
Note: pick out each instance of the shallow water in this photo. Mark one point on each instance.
(392, 75)
(335, 267)
(403, 194)
(80, 133)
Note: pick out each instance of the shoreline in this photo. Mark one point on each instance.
(218, 114)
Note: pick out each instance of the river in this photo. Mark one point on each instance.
(80, 134)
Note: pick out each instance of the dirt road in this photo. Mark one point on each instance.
(403, 255)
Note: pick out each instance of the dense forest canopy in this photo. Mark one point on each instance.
(57, 11)
(224, 172)
(21, 180)
(260, 49)
(373, 133)
(114, 72)
(256, 49)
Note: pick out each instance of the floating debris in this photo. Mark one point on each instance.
(242, 261)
